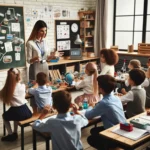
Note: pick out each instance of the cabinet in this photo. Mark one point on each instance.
(87, 23)
(69, 65)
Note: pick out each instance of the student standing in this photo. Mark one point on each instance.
(65, 129)
(13, 94)
(37, 51)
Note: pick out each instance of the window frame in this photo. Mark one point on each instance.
(145, 9)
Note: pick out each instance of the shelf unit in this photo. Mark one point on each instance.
(66, 65)
(87, 22)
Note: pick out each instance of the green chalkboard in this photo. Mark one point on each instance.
(12, 40)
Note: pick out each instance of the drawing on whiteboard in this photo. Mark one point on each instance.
(63, 31)
(63, 45)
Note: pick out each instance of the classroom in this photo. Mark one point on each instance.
(75, 74)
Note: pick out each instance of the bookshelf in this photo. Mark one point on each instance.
(87, 23)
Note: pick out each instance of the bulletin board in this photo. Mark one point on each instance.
(12, 38)
(66, 33)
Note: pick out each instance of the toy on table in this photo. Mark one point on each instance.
(55, 60)
(126, 126)
(139, 124)
(31, 83)
(69, 77)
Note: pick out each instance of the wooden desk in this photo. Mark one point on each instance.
(124, 142)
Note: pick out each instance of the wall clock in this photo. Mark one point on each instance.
(74, 27)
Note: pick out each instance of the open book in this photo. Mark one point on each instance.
(133, 135)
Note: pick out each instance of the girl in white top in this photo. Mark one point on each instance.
(108, 59)
(13, 94)
(89, 85)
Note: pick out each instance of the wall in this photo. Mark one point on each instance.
(34, 10)
(110, 14)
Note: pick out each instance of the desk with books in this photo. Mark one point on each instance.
(124, 142)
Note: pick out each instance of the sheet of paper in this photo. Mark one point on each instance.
(63, 45)
(8, 46)
(15, 27)
(63, 32)
(17, 56)
(17, 48)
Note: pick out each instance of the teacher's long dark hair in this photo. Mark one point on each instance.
(38, 25)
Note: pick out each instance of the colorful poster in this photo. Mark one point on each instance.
(63, 45)
(63, 31)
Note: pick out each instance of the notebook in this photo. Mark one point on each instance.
(133, 135)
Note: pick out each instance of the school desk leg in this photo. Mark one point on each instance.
(22, 138)
(34, 139)
(47, 144)
(4, 129)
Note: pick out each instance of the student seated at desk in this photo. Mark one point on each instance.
(13, 94)
(109, 108)
(42, 93)
(136, 97)
(89, 85)
(133, 64)
(65, 129)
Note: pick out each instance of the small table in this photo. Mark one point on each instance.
(122, 141)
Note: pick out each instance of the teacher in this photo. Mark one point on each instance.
(37, 50)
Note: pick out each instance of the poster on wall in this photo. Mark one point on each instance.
(65, 13)
(63, 45)
(63, 31)
(57, 11)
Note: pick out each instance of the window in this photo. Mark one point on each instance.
(131, 23)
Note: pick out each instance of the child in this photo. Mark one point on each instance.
(89, 85)
(65, 129)
(13, 94)
(147, 88)
(136, 97)
(42, 94)
(133, 64)
(109, 108)
(108, 58)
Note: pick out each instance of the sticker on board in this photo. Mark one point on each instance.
(17, 48)
(7, 59)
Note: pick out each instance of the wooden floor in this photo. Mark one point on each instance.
(28, 137)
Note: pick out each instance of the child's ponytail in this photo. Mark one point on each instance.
(6, 94)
